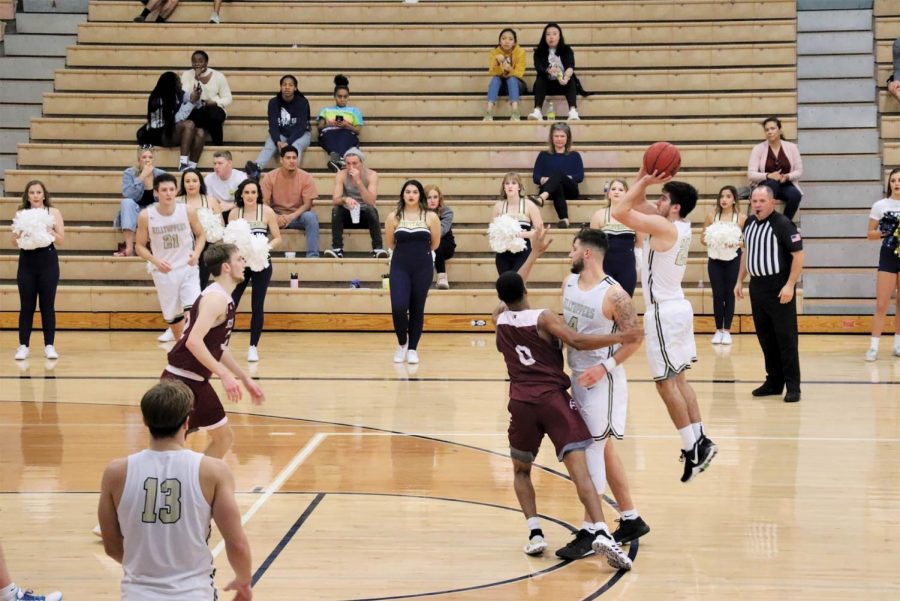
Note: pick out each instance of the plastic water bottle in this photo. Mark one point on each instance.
(551, 112)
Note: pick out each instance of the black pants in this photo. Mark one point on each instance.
(620, 266)
(368, 219)
(410, 277)
(544, 87)
(260, 282)
(722, 279)
(509, 261)
(37, 277)
(338, 141)
(444, 252)
(788, 193)
(776, 330)
(211, 119)
(560, 187)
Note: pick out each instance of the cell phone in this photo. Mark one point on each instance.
(339, 118)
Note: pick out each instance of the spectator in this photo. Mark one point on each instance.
(290, 192)
(168, 123)
(554, 62)
(776, 163)
(263, 222)
(621, 258)
(506, 68)
(38, 274)
(886, 211)
(10, 592)
(193, 193)
(137, 193)
(724, 260)
(513, 202)
(214, 17)
(165, 8)
(223, 182)
(447, 247)
(288, 125)
(558, 172)
(339, 125)
(893, 82)
(413, 232)
(353, 199)
(210, 88)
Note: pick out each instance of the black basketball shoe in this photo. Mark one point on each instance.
(578, 547)
(630, 530)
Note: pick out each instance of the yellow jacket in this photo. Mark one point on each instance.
(516, 57)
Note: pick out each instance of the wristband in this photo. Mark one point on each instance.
(610, 364)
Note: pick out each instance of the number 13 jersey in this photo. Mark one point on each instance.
(535, 366)
(165, 520)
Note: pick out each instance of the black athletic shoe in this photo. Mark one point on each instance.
(252, 170)
(708, 450)
(630, 530)
(696, 460)
(579, 547)
(766, 390)
(792, 397)
(140, 19)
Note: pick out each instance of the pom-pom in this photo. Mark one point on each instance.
(503, 234)
(889, 226)
(254, 248)
(33, 228)
(723, 240)
(212, 224)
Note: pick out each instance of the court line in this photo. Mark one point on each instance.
(278, 482)
(286, 539)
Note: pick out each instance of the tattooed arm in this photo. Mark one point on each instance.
(618, 306)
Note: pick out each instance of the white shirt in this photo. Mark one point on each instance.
(224, 189)
(664, 271)
(171, 238)
(216, 89)
(583, 311)
(883, 206)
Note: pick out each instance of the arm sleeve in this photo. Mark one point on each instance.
(446, 221)
(540, 64)
(132, 187)
(877, 212)
(223, 91)
(185, 109)
(518, 63)
(577, 167)
(309, 191)
(267, 187)
(797, 166)
(273, 112)
(788, 236)
(538, 168)
(753, 174)
(568, 58)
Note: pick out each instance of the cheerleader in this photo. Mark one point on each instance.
(883, 223)
(193, 193)
(620, 260)
(514, 203)
(38, 273)
(724, 258)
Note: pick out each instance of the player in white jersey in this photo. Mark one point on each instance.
(594, 303)
(156, 505)
(170, 237)
(669, 318)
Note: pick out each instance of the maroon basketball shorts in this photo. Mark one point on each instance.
(208, 411)
(554, 415)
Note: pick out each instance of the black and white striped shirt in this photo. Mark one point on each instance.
(770, 243)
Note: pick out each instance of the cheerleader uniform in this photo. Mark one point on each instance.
(723, 276)
(259, 279)
(38, 277)
(510, 261)
(888, 261)
(410, 277)
(619, 261)
(204, 272)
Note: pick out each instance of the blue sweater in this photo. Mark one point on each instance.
(568, 164)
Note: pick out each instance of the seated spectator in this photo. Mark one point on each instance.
(168, 109)
(776, 163)
(290, 192)
(506, 68)
(554, 62)
(137, 193)
(558, 172)
(223, 182)
(339, 125)
(444, 251)
(214, 17)
(893, 82)
(354, 197)
(211, 90)
(165, 7)
(288, 126)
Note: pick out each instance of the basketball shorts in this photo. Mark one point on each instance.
(554, 416)
(888, 261)
(177, 290)
(669, 338)
(604, 405)
(208, 411)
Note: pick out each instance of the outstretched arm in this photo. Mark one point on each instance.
(540, 242)
(632, 210)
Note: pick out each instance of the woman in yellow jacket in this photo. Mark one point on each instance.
(507, 67)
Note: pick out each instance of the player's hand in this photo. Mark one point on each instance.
(540, 241)
(193, 260)
(739, 291)
(232, 388)
(657, 177)
(632, 335)
(786, 294)
(350, 203)
(163, 266)
(243, 592)
(257, 396)
(591, 376)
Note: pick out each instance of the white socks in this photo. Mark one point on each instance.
(534, 524)
(874, 340)
(698, 430)
(631, 514)
(688, 438)
(589, 526)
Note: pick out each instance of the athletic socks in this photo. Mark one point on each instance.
(144, 13)
(874, 341)
(631, 514)
(589, 526)
(698, 430)
(688, 438)
(534, 524)
(601, 527)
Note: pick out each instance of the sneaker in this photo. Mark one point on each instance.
(766, 390)
(726, 337)
(536, 199)
(573, 114)
(872, 353)
(335, 162)
(140, 19)
(21, 353)
(563, 224)
(536, 114)
(514, 116)
(29, 595)
(488, 116)
(400, 354)
(630, 530)
(412, 357)
(717, 337)
(252, 354)
(334, 253)
(579, 547)
(604, 544)
(535, 545)
(792, 397)
(182, 167)
(708, 450)
(166, 336)
(698, 459)
(250, 168)
(380, 253)
(50, 352)
(443, 283)
(96, 531)
(214, 18)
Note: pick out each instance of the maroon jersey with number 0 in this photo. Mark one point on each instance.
(535, 366)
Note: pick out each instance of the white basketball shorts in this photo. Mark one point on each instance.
(669, 338)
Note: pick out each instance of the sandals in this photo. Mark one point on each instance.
(121, 252)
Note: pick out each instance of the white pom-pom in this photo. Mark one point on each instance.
(254, 249)
(33, 228)
(503, 234)
(212, 224)
(723, 239)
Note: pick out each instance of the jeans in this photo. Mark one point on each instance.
(788, 193)
(512, 85)
(338, 141)
(896, 52)
(270, 149)
(128, 215)
(309, 223)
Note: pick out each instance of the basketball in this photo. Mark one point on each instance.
(662, 157)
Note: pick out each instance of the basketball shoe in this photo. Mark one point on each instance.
(605, 545)
(630, 530)
(578, 547)
(535, 546)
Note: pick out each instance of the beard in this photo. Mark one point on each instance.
(578, 266)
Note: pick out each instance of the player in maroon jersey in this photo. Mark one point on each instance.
(539, 402)
(203, 350)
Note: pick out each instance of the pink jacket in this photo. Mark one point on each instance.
(756, 167)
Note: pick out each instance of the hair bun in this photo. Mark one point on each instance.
(341, 80)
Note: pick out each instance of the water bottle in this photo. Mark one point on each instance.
(551, 112)
(355, 283)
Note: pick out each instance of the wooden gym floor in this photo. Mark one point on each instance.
(362, 480)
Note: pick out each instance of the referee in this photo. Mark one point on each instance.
(774, 259)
